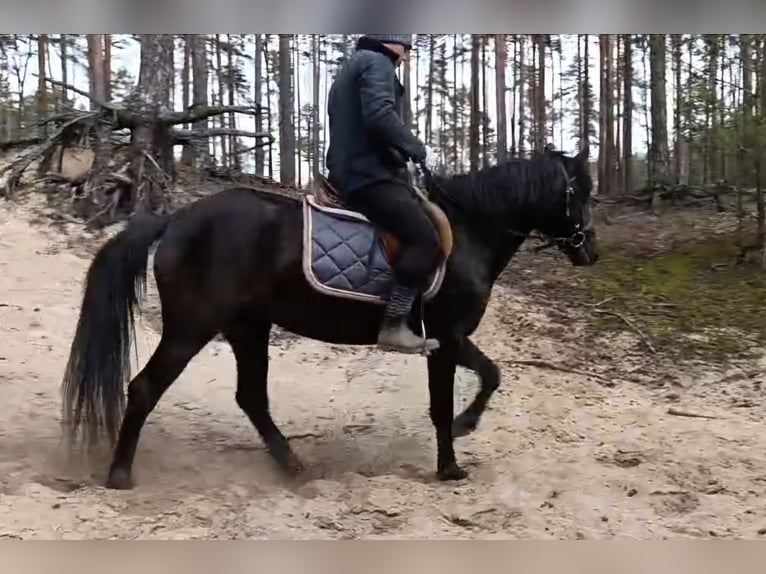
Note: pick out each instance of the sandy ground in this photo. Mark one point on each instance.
(559, 455)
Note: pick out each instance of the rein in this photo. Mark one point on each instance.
(575, 240)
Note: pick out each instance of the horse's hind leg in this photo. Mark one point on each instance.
(168, 361)
(250, 342)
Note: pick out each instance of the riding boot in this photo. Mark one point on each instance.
(395, 334)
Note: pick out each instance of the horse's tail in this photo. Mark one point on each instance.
(99, 361)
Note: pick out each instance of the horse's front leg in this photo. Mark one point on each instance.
(441, 383)
(468, 355)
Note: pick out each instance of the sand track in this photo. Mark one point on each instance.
(557, 456)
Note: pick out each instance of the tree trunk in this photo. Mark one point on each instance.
(540, 112)
(761, 89)
(484, 106)
(561, 92)
(42, 88)
(219, 99)
(407, 83)
(260, 152)
(603, 178)
(107, 66)
(610, 156)
(750, 150)
(430, 89)
(268, 68)
(315, 107)
(151, 139)
(473, 137)
(300, 141)
(455, 118)
(711, 107)
(658, 150)
(580, 79)
(96, 70)
(514, 73)
(618, 81)
(286, 128)
(186, 75)
(231, 88)
(587, 102)
(102, 147)
(64, 41)
(500, 89)
(187, 155)
(444, 119)
(675, 40)
(200, 152)
(522, 90)
(627, 114)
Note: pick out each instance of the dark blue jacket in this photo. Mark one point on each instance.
(365, 121)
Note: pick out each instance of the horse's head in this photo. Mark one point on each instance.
(571, 225)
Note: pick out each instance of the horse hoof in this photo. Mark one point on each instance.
(293, 466)
(451, 473)
(119, 480)
(462, 426)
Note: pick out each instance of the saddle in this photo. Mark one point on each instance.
(327, 196)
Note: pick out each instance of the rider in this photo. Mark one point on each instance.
(367, 163)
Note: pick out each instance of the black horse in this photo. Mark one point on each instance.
(232, 263)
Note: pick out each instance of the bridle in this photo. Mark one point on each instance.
(575, 240)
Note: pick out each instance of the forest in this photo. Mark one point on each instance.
(674, 124)
(631, 392)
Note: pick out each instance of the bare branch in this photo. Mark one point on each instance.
(630, 324)
(77, 91)
(195, 114)
(249, 149)
(5, 146)
(182, 136)
(122, 116)
(680, 413)
(542, 364)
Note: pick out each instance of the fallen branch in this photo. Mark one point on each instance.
(122, 117)
(24, 142)
(298, 436)
(18, 167)
(83, 93)
(542, 364)
(252, 148)
(63, 116)
(630, 324)
(600, 303)
(182, 136)
(201, 113)
(679, 413)
(74, 89)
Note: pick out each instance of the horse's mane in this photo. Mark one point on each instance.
(503, 189)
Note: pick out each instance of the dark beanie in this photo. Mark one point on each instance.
(403, 39)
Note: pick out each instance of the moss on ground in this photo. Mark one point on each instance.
(695, 301)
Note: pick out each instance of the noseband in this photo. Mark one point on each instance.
(577, 239)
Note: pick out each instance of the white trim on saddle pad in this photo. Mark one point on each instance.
(309, 203)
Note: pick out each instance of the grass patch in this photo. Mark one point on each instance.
(694, 302)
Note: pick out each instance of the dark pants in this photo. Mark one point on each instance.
(394, 208)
